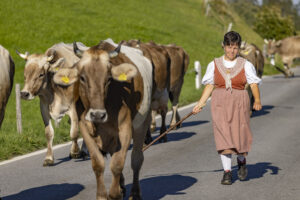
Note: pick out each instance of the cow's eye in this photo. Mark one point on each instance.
(41, 75)
(82, 79)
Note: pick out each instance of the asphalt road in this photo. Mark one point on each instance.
(187, 166)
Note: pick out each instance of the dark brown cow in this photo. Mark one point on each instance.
(115, 89)
(170, 63)
(7, 70)
(288, 49)
(38, 73)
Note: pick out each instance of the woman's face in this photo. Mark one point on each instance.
(231, 51)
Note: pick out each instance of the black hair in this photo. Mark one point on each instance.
(231, 38)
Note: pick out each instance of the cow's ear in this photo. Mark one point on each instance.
(278, 43)
(124, 72)
(66, 76)
(58, 64)
(266, 41)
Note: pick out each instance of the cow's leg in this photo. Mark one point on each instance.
(98, 163)
(250, 97)
(153, 122)
(174, 98)
(137, 157)
(287, 68)
(175, 116)
(163, 113)
(84, 151)
(117, 162)
(74, 152)
(148, 137)
(49, 133)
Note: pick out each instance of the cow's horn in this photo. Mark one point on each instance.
(24, 56)
(77, 51)
(49, 58)
(115, 52)
(266, 41)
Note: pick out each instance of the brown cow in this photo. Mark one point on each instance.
(39, 82)
(7, 70)
(170, 63)
(254, 55)
(115, 89)
(288, 49)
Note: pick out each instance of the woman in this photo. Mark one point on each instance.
(230, 104)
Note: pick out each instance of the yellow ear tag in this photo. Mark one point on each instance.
(65, 79)
(246, 52)
(122, 77)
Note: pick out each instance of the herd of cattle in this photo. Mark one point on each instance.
(112, 92)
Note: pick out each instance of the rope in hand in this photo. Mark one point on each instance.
(167, 131)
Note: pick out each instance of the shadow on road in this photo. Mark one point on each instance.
(160, 186)
(61, 160)
(257, 170)
(264, 111)
(49, 192)
(282, 77)
(185, 124)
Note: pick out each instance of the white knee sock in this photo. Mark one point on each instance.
(226, 161)
(241, 158)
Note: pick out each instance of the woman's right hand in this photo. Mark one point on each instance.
(198, 108)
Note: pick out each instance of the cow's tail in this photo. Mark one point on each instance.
(186, 62)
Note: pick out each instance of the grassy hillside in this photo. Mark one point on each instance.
(34, 26)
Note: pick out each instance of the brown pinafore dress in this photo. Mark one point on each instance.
(230, 109)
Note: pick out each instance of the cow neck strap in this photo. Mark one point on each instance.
(229, 73)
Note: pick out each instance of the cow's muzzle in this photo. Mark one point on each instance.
(26, 95)
(96, 115)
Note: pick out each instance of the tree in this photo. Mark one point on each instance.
(287, 9)
(270, 24)
(247, 9)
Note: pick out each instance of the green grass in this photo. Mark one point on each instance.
(35, 25)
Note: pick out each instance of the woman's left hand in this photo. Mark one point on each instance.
(257, 105)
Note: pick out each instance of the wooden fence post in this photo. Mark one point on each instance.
(18, 109)
(198, 78)
(207, 7)
(229, 27)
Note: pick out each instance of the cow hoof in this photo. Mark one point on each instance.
(179, 125)
(148, 140)
(83, 155)
(48, 162)
(163, 139)
(152, 129)
(75, 155)
(123, 191)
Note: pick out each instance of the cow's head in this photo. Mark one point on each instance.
(133, 43)
(96, 71)
(35, 73)
(247, 51)
(272, 47)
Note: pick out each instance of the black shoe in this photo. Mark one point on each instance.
(242, 171)
(227, 178)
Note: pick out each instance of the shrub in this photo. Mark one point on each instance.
(270, 24)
